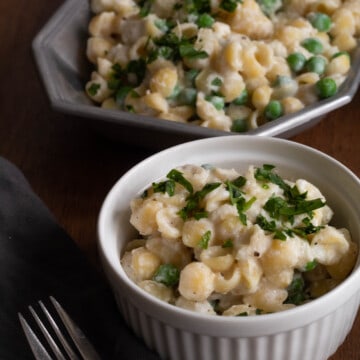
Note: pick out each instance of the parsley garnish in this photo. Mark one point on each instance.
(93, 89)
(145, 7)
(192, 207)
(172, 47)
(230, 5)
(227, 244)
(243, 314)
(164, 52)
(270, 225)
(309, 228)
(197, 6)
(311, 265)
(217, 82)
(286, 208)
(188, 51)
(123, 80)
(237, 199)
(178, 177)
(121, 94)
(296, 290)
(204, 241)
(167, 274)
(265, 174)
(167, 186)
(239, 181)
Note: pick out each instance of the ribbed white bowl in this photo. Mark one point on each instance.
(312, 331)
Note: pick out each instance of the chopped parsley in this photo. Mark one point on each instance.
(286, 208)
(123, 80)
(307, 229)
(297, 291)
(145, 7)
(167, 274)
(178, 177)
(172, 47)
(197, 6)
(217, 82)
(237, 199)
(167, 186)
(93, 89)
(270, 225)
(266, 174)
(244, 313)
(227, 244)
(204, 241)
(311, 265)
(193, 206)
(121, 94)
(188, 51)
(230, 5)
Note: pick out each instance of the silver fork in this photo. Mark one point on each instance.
(85, 349)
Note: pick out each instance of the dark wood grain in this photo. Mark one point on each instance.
(71, 167)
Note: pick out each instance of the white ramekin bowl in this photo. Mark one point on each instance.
(312, 331)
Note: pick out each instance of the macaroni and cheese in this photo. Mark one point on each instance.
(230, 65)
(214, 241)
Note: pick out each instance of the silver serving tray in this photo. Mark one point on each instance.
(59, 49)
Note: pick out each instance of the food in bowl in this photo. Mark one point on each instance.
(228, 65)
(215, 241)
(313, 330)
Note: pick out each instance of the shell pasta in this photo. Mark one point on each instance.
(219, 242)
(230, 65)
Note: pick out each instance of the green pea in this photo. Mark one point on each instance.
(316, 64)
(273, 110)
(239, 125)
(187, 96)
(242, 99)
(269, 7)
(296, 61)
(326, 87)
(205, 21)
(282, 80)
(320, 21)
(313, 45)
(190, 76)
(217, 101)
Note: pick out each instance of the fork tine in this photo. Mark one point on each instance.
(83, 345)
(58, 333)
(47, 336)
(37, 348)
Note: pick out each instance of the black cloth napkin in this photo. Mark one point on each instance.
(38, 259)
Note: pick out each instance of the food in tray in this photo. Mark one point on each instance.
(215, 241)
(230, 65)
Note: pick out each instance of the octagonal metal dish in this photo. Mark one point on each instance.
(60, 53)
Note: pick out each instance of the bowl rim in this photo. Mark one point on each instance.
(315, 309)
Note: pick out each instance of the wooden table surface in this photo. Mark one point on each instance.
(71, 167)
